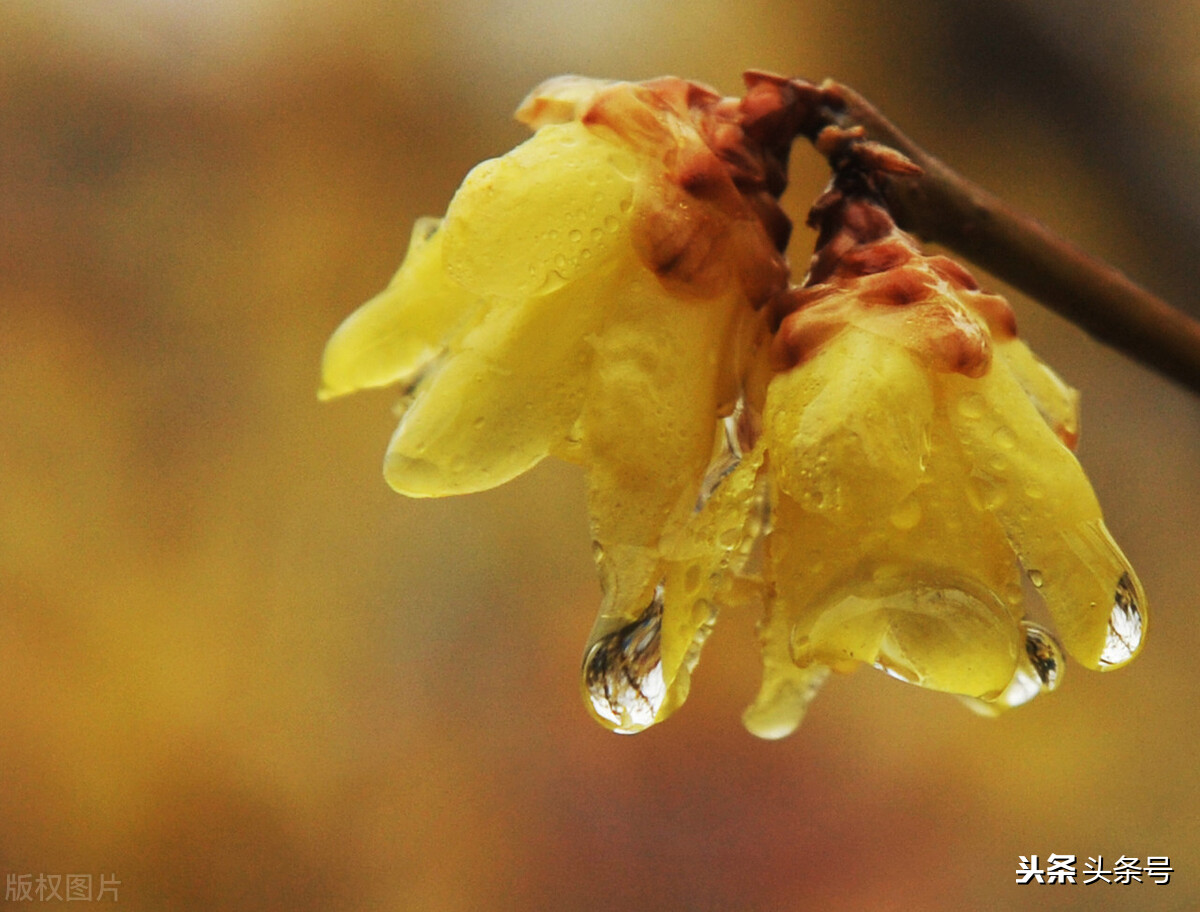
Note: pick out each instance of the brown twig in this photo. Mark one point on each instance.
(940, 206)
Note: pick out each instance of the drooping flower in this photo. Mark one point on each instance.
(595, 294)
(875, 456)
(918, 456)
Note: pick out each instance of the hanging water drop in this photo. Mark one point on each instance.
(1124, 625)
(1044, 655)
(622, 672)
(1039, 670)
(726, 458)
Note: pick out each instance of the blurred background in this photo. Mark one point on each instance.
(238, 672)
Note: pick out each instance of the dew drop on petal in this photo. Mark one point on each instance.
(1124, 625)
(971, 405)
(1005, 438)
(622, 672)
(985, 494)
(907, 514)
(1035, 577)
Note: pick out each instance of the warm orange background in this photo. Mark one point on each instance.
(237, 672)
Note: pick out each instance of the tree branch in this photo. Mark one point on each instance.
(940, 206)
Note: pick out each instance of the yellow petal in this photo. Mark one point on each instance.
(392, 337)
(1055, 401)
(509, 391)
(547, 213)
(1032, 483)
(660, 376)
(929, 604)
(849, 429)
(876, 553)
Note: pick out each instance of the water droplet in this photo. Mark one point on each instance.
(1124, 625)
(576, 235)
(784, 698)
(971, 405)
(1004, 438)
(726, 458)
(552, 283)
(1035, 577)
(1033, 492)
(611, 224)
(907, 514)
(1044, 655)
(899, 672)
(622, 672)
(1038, 671)
(985, 494)
(597, 235)
(800, 647)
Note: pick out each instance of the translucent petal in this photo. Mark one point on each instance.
(930, 603)
(1055, 401)
(660, 376)
(549, 212)
(785, 694)
(511, 390)
(397, 333)
(849, 429)
(1029, 479)
(917, 581)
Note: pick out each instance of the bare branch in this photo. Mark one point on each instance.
(940, 206)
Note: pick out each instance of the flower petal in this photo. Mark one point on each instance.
(547, 213)
(1055, 401)
(511, 389)
(1032, 483)
(849, 429)
(397, 333)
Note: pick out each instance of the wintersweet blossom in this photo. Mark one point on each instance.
(595, 294)
(917, 457)
(874, 456)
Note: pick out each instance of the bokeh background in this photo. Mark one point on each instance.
(237, 672)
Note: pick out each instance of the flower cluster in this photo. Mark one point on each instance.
(873, 456)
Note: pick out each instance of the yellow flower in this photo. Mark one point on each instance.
(594, 294)
(874, 457)
(918, 457)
